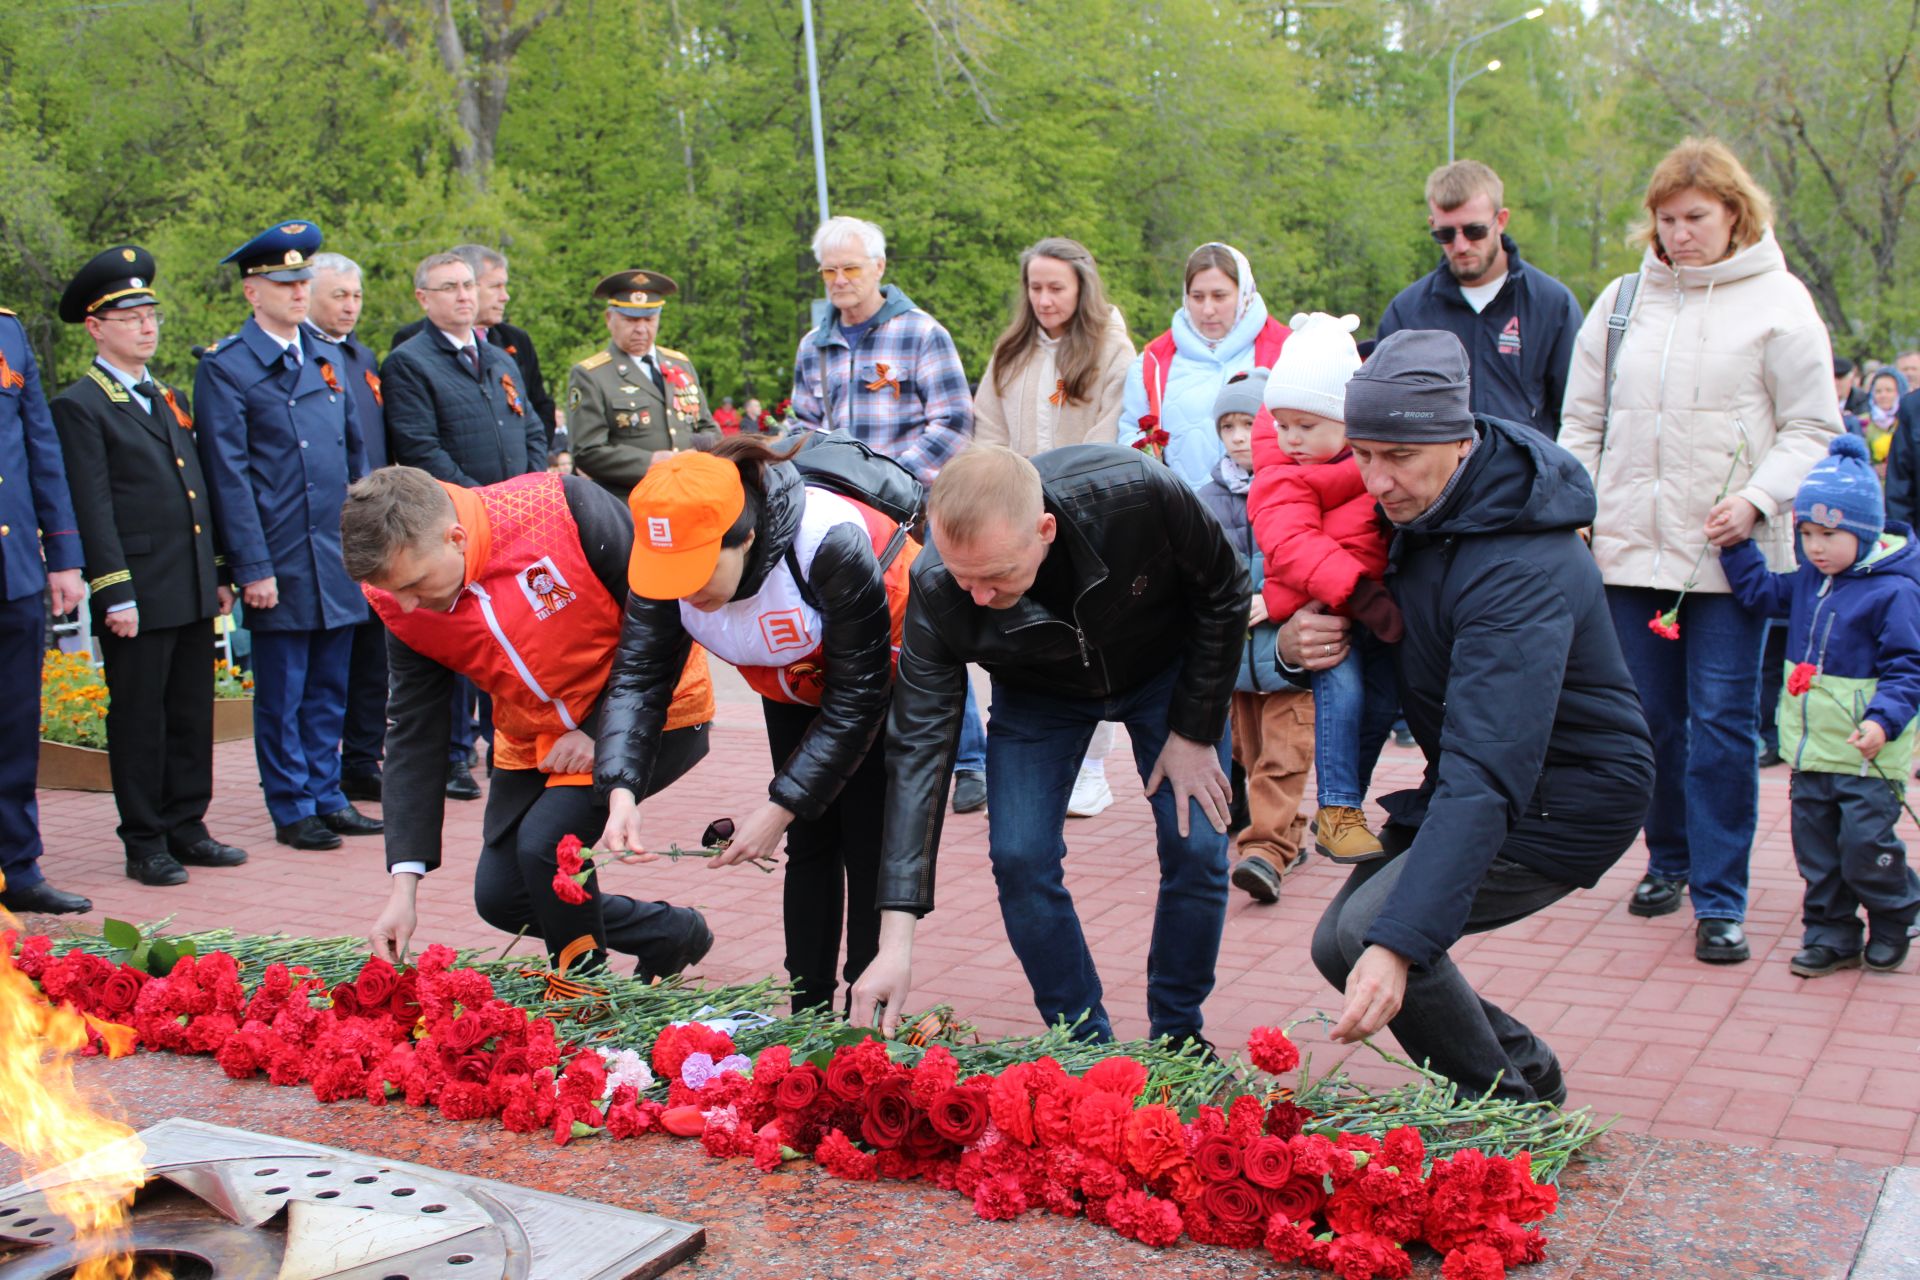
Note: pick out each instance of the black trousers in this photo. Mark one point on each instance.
(22, 631)
(833, 867)
(1847, 852)
(513, 885)
(363, 741)
(160, 734)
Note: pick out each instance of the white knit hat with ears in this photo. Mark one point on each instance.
(1314, 365)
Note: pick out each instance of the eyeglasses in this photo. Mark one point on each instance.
(457, 286)
(1474, 231)
(156, 317)
(854, 272)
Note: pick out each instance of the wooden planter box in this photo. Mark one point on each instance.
(64, 767)
(232, 718)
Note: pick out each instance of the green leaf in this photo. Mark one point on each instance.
(137, 958)
(120, 934)
(186, 947)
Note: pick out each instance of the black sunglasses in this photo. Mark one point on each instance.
(1474, 231)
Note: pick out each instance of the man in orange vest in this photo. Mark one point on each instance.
(519, 587)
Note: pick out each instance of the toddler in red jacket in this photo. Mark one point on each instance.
(1320, 534)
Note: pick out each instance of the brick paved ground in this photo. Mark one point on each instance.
(1745, 1054)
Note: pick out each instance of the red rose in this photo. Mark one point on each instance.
(1299, 1200)
(854, 1070)
(960, 1115)
(798, 1088)
(376, 984)
(1800, 679)
(1272, 1051)
(1218, 1159)
(1267, 1162)
(346, 1000)
(888, 1114)
(567, 891)
(1233, 1204)
(463, 1034)
(923, 1142)
(116, 992)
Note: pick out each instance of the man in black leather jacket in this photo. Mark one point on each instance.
(1092, 586)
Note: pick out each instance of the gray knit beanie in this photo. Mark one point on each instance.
(1241, 394)
(1412, 390)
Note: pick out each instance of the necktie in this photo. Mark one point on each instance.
(146, 388)
(471, 354)
(653, 371)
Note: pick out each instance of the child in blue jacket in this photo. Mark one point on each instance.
(1847, 712)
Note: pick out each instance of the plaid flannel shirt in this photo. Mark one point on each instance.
(903, 392)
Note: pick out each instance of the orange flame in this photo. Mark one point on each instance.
(100, 1163)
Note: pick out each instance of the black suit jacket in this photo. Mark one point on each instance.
(516, 342)
(146, 524)
(460, 429)
(360, 369)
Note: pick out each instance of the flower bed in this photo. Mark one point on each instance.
(1148, 1142)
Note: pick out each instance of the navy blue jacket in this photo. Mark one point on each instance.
(1513, 683)
(279, 446)
(33, 476)
(362, 379)
(464, 430)
(1259, 659)
(1903, 463)
(1520, 346)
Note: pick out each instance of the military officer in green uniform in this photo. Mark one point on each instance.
(636, 398)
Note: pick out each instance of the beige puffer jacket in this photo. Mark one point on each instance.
(1014, 419)
(1713, 356)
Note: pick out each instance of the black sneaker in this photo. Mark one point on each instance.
(1818, 961)
(1884, 955)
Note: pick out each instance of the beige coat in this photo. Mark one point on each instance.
(1015, 419)
(1717, 360)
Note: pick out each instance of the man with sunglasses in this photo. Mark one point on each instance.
(1517, 322)
(634, 400)
(146, 528)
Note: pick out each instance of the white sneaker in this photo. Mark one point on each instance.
(1091, 794)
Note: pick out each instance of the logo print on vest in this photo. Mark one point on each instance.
(546, 591)
(785, 629)
(1508, 342)
(660, 531)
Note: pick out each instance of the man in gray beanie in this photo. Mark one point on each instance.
(1539, 764)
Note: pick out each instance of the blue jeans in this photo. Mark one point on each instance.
(1701, 695)
(973, 738)
(1354, 707)
(1035, 744)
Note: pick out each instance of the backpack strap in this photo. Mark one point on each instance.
(887, 555)
(1616, 335)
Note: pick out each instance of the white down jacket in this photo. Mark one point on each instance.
(1718, 360)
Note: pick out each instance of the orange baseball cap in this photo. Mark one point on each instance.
(681, 509)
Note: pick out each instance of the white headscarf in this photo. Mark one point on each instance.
(1244, 270)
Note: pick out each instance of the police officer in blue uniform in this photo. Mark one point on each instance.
(36, 521)
(280, 440)
(146, 525)
(332, 319)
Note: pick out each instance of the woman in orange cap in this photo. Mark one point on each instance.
(802, 589)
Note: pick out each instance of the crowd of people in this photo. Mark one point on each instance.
(1549, 544)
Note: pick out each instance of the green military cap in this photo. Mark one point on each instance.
(636, 293)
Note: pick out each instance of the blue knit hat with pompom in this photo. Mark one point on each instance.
(1842, 492)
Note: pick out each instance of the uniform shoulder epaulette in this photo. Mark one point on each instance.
(670, 353)
(7, 311)
(115, 391)
(595, 360)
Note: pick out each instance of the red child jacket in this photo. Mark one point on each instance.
(1316, 526)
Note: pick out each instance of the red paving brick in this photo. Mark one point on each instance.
(1743, 1053)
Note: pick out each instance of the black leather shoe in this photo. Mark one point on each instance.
(1657, 896)
(1770, 756)
(460, 783)
(1719, 942)
(1884, 955)
(969, 791)
(157, 869)
(1818, 961)
(207, 853)
(349, 821)
(361, 786)
(1549, 1085)
(687, 942)
(43, 898)
(308, 833)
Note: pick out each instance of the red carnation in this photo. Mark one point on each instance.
(842, 1159)
(1267, 1162)
(1364, 1256)
(1118, 1074)
(1156, 1141)
(464, 1101)
(1010, 1102)
(854, 1069)
(1272, 1051)
(565, 889)
(999, 1198)
(1285, 1120)
(888, 1114)
(798, 1088)
(1148, 1219)
(1666, 625)
(1800, 679)
(1100, 1125)
(567, 854)
(1475, 1262)
(1288, 1241)
(960, 1115)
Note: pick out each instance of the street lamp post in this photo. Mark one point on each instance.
(1454, 85)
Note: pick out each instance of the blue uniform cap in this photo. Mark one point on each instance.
(283, 252)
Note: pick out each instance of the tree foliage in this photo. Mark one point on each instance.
(587, 136)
